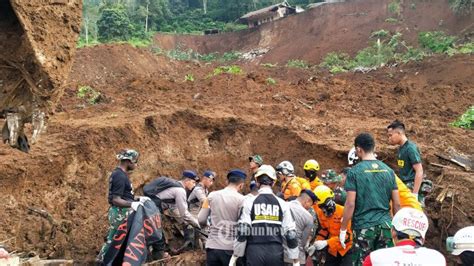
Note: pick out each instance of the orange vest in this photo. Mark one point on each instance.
(316, 183)
(329, 230)
(304, 183)
(406, 197)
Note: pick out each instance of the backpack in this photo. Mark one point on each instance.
(158, 185)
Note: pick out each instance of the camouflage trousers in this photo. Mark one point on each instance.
(421, 195)
(370, 239)
(116, 216)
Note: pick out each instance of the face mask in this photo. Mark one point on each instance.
(310, 174)
(328, 207)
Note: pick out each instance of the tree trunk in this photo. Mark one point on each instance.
(86, 28)
(204, 6)
(146, 18)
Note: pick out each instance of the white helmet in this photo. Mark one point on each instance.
(411, 222)
(285, 168)
(352, 157)
(462, 241)
(266, 170)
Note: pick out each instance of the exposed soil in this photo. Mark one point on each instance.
(216, 122)
(344, 27)
(37, 43)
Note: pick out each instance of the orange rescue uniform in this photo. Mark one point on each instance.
(315, 183)
(406, 197)
(330, 227)
(292, 188)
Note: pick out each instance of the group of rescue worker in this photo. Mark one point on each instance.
(365, 215)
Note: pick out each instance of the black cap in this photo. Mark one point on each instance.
(310, 194)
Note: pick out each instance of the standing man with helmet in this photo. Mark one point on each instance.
(290, 186)
(371, 188)
(330, 216)
(331, 179)
(462, 245)
(408, 159)
(255, 162)
(264, 222)
(120, 197)
(311, 168)
(408, 232)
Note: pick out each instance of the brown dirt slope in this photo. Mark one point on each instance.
(342, 27)
(216, 122)
(37, 43)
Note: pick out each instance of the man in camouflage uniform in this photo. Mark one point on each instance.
(331, 179)
(121, 198)
(370, 186)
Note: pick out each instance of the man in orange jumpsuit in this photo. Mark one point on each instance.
(330, 215)
(291, 185)
(311, 168)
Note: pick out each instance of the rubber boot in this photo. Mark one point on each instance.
(38, 125)
(13, 125)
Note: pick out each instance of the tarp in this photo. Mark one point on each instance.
(138, 231)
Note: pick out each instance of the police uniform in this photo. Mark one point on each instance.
(263, 225)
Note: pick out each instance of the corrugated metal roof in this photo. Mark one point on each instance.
(265, 10)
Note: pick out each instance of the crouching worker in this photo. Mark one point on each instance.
(170, 195)
(330, 216)
(409, 229)
(303, 221)
(223, 206)
(265, 223)
(121, 197)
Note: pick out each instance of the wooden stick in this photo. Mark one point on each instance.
(460, 210)
(443, 166)
(6, 240)
(305, 104)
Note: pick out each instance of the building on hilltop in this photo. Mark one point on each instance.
(267, 14)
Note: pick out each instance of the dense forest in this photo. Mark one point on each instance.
(115, 20)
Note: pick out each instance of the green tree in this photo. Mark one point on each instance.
(462, 7)
(114, 24)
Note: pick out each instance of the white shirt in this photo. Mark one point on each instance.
(405, 254)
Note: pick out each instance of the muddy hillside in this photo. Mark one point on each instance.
(54, 199)
(344, 27)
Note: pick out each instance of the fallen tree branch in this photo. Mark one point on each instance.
(443, 166)
(305, 104)
(48, 217)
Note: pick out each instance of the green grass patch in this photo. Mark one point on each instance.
(232, 70)
(269, 65)
(436, 41)
(297, 64)
(189, 78)
(466, 120)
(89, 94)
(271, 81)
(394, 7)
(391, 20)
(380, 34)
